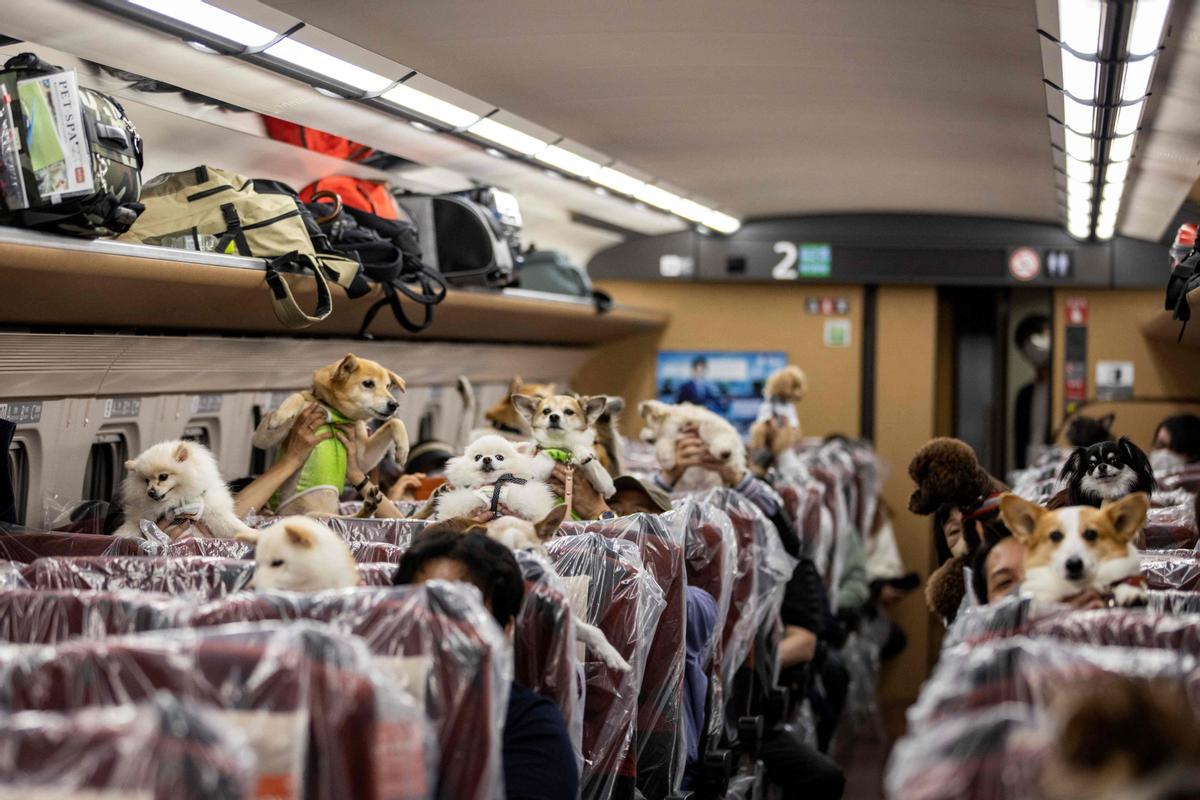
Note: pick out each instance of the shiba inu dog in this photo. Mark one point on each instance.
(1071, 550)
(563, 429)
(177, 479)
(503, 418)
(664, 426)
(522, 534)
(493, 474)
(352, 391)
(299, 554)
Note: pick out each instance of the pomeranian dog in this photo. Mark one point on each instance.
(352, 391)
(1071, 550)
(563, 429)
(522, 534)
(299, 554)
(493, 474)
(777, 426)
(665, 425)
(1106, 471)
(177, 479)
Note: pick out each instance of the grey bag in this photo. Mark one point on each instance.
(551, 271)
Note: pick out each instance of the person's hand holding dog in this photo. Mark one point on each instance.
(692, 451)
(304, 436)
(405, 486)
(354, 437)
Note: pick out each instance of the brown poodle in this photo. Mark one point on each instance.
(947, 472)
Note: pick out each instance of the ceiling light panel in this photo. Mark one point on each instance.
(618, 181)
(429, 106)
(507, 136)
(1079, 25)
(1146, 31)
(565, 160)
(321, 63)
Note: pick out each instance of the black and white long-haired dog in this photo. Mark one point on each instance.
(1106, 471)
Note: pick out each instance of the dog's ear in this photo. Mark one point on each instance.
(249, 535)
(397, 381)
(130, 464)
(1128, 514)
(1020, 516)
(515, 386)
(548, 525)
(652, 411)
(345, 367)
(615, 405)
(301, 537)
(593, 407)
(526, 405)
(1106, 421)
(1074, 464)
(1137, 459)
(182, 452)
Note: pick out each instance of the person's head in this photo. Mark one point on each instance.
(998, 569)
(949, 522)
(1179, 434)
(699, 366)
(1033, 339)
(443, 552)
(635, 496)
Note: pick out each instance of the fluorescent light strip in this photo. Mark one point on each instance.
(720, 222)
(1128, 118)
(210, 18)
(1080, 117)
(657, 196)
(1079, 171)
(1136, 81)
(1079, 25)
(1079, 146)
(567, 161)
(618, 181)
(1146, 30)
(1079, 77)
(429, 106)
(1105, 232)
(690, 209)
(332, 67)
(1116, 173)
(1078, 229)
(1121, 148)
(505, 136)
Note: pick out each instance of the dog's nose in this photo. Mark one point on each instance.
(392, 405)
(725, 454)
(154, 495)
(1074, 567)
(554, 417)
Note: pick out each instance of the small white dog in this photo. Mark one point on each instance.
(177, 479)
(492, 474)
(664, 425)
(299, 554)
(522, 534)
(564, 430)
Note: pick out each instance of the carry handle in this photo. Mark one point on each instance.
(337, 204)
(283, 302)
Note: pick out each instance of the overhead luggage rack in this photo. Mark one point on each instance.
(57, 282)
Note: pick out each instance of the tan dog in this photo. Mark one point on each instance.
(563, 428)
(352, 391)
(1071, 550)
(299, 554)
(783, 390)
(503, 418)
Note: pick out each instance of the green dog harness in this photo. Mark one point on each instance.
(325, 467)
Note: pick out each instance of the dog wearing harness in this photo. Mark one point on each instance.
(564, 433)
(494, 478)
(353, 391)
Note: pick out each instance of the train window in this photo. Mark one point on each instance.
(105, 466)
(198, 434)
(18, 472)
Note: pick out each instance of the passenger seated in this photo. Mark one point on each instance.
(999, 568)
(1176, 442)
(633, 496)
(701, 621)
(539, 763)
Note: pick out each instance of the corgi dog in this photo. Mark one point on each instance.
(563, 429)
(177, 479)
(299, 554)
(665, 425)
(502, 418)
(352, 391)
(1073, 549)
(493, 474)
(1106, 471)
(516, 533)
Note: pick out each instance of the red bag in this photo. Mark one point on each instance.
(317, 141)
(365, 195)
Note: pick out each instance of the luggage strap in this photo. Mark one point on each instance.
(433, 291)
(283, 302)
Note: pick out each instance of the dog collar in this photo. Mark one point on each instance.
(498, 486)
(989, 506)
(558, 454)
(193, 511)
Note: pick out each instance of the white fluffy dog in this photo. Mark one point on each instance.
(664, 426)
(177, 479)
(299, 554)
(492, 474)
